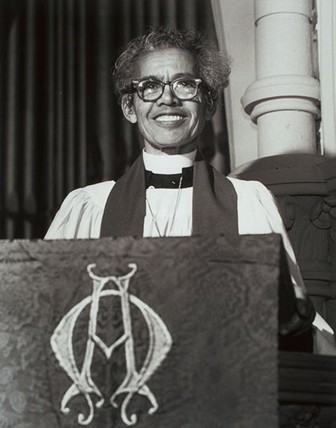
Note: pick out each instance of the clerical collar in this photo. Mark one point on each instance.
(168, 164)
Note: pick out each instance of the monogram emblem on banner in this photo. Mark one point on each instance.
(159, 344)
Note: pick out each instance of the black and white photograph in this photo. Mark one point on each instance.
(168, 213)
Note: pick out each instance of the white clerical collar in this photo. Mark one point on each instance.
(168, 164)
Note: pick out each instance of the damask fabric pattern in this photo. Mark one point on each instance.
(219, 305)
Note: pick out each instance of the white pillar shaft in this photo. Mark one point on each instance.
(277, 130)
(284, 99)
(283, 45)
(326, 30)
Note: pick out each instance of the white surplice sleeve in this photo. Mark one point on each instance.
(257, 214)
(81, 212)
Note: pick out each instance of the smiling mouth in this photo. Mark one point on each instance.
(169, 118)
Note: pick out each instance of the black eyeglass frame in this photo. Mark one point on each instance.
(171, 84)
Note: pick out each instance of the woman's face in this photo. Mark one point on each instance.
(168, 125)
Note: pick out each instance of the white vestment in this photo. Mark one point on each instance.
(169, 213)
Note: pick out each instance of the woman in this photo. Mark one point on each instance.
(168, 82)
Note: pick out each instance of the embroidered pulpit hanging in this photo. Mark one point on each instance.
(172, 332)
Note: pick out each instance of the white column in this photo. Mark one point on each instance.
(326, 30)
(284, 98)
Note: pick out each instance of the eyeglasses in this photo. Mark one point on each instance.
(151, 89)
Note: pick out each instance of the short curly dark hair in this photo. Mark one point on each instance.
(212, 66)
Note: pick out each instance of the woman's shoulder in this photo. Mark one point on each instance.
(250, 188)
(257, 207)
(80, 213)
(95, 194)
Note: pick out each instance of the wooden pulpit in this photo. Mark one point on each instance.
(172, 332)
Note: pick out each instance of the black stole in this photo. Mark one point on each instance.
(214, 208)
